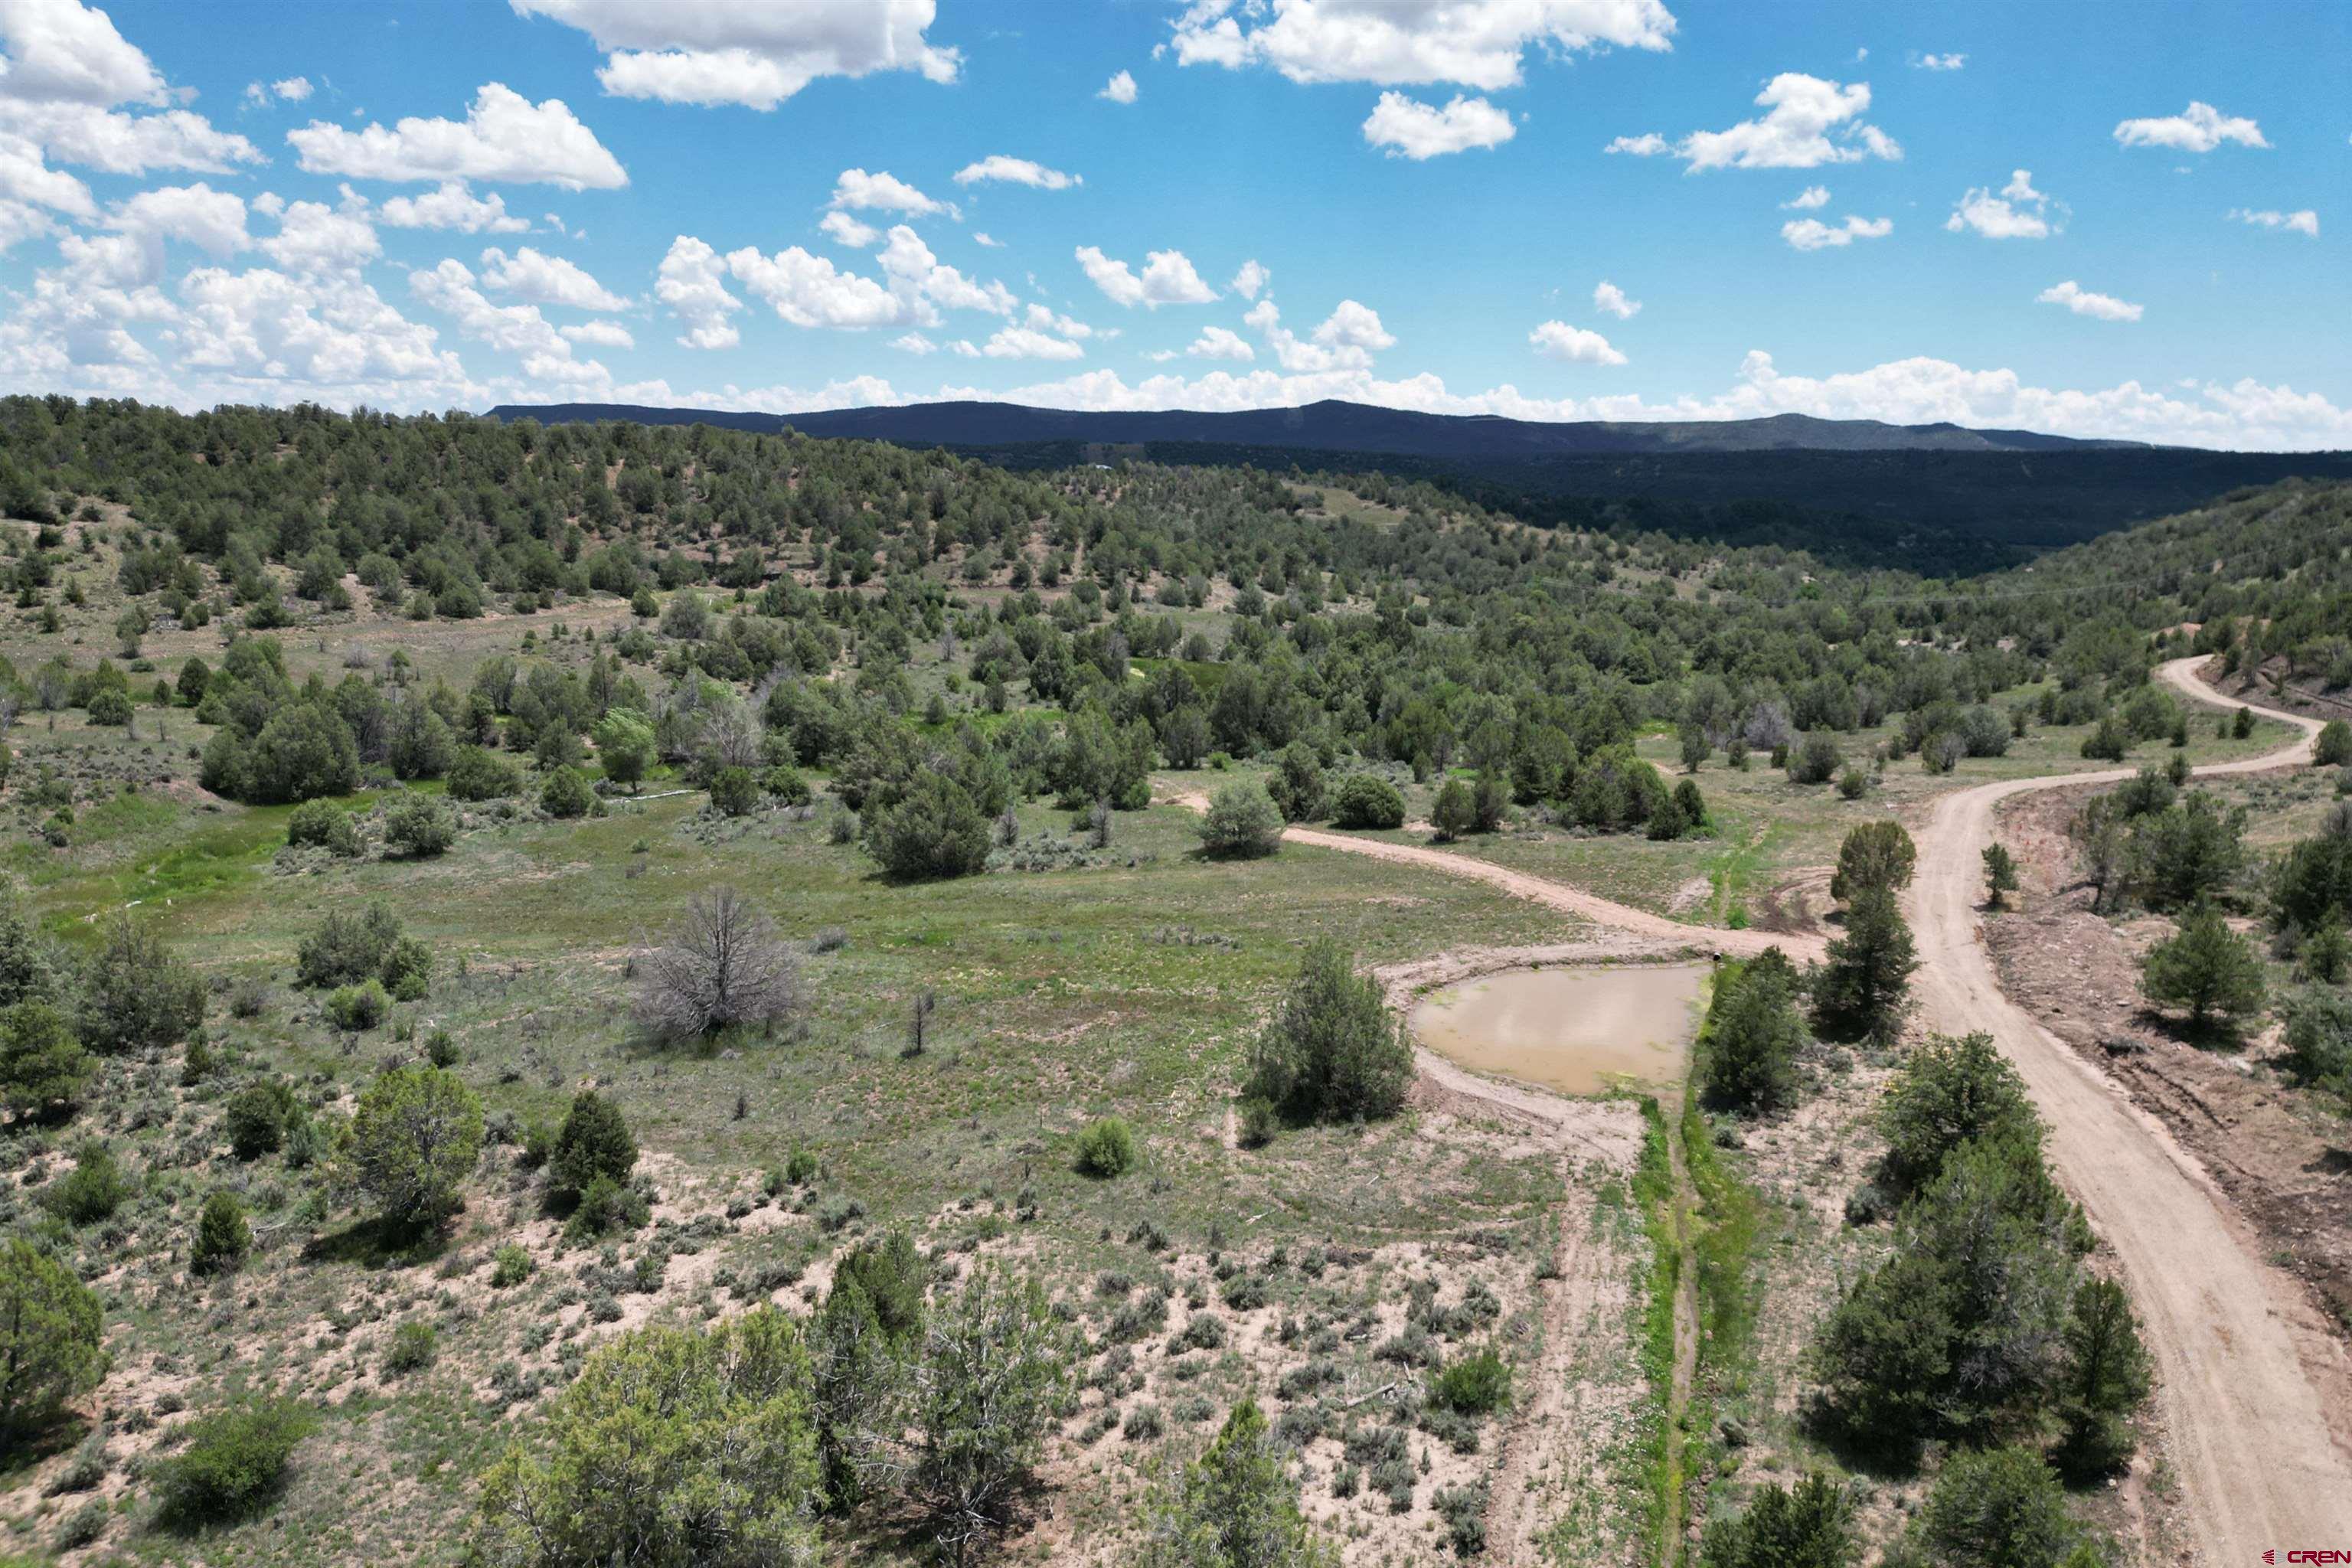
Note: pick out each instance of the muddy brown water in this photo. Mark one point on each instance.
(1578, 1030)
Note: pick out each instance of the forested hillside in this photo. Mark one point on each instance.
(557, 981)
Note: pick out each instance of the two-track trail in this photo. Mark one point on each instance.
(2248, 1373)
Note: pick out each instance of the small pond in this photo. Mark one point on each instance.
(1578, 1030)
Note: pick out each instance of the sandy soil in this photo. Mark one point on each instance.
(2254, 1389)
(2248, 1373)
(2278, 1154)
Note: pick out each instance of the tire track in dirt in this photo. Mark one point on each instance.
(2247, 1374)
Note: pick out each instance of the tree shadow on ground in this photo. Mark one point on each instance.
(378, 1244)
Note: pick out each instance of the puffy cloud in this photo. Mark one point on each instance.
(1410, 128)
(61, 51)
(843, 229)
(132, 256)
(884, 192)
(1345, 342)
(2019, 211)
(1808, 121)
(1573, 345)
(1028, 342)
(504, 137)
(334, 337)
(1475, 43)
(543, 280)
(1812, 234)
(292, 89)
(26, 180)
(983, 238)
(1610, 300)
(2199, 128)
(920, 280)
(451, 206)
(1249, 279)
(751, 53)
(1810, 199)
(1939, 62)
(19, 223)
(1168, 279)
(1016, 171)
(1352, 325)
(1221, 342)
(1120, 89)
(63, 67)
(915, 344)
(692, 281)
(2303, 222)
(511, 329)
(603, 334)
(810, 291)
(1042, 319)
(317, 240)
(2082, 302)
(119, 143)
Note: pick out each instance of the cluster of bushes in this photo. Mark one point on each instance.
(1983, 1321)
(59, 1016)
(741, 1436)
(367, 947)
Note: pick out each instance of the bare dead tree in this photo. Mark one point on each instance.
(723, 967)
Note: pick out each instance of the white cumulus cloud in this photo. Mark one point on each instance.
(843, 229)
(1808, 121)
(1810, 199)
(1249, 279)
(453, 207)
(1221, 342)
(1016, 171)
(692, 281)
(1812, 234)
(1610, 300)
(751, 53)
(504, 137)
(2303, 222)
(1120, 89)
(2200, 128)
(1410, 128)
(1573, 345)
(1475, 43)
(1939, 62)
(543, 279)
(1169, 278)
(882, 192)
(2082, 302)
(2019, 211)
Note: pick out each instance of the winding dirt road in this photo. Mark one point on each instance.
(2247, 1371)
(2249, 1376)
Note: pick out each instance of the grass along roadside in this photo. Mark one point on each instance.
(1697, 1340)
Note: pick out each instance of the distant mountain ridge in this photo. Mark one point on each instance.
(1333, 426)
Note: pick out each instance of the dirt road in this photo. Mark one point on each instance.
(1543, 890)
(2247, 1373)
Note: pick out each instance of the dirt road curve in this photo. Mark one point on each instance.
(2243, 1361)
(1543, 890)
(2247, 1371)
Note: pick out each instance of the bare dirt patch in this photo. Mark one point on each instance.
(2281, 1158)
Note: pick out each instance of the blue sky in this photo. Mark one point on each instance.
(2096, 219)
